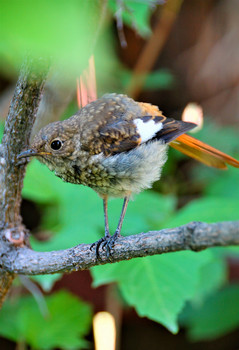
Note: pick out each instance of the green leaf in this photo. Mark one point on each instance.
(212, 276)
(40, 184)
(216, 317)
(212, 209)
(65, 326)
(157, 286)
(224, 185)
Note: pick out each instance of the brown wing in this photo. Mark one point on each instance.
(119, 136)
(122, 135)
(109, 125)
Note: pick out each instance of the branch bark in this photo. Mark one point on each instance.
(194, 236)
(21, 116)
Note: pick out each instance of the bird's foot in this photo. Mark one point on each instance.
(106, 243)
(97, 245)
(109, 244)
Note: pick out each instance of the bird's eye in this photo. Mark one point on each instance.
(56, 145)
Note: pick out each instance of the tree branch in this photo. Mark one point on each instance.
(194, 236)
(21, 116)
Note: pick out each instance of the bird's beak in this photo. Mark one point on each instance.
(31, 153)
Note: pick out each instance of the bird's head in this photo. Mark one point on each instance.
(51, 144)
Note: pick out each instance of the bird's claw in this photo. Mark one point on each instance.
(106, 243)
(97, 245)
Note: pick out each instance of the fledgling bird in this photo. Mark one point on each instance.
(117, 146)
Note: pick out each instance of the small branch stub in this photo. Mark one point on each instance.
(16, 236)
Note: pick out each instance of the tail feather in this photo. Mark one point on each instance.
(203, 152)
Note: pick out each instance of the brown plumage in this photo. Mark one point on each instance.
(117, 147)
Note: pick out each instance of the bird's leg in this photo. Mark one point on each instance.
(122, 215)
(105, 205)
(109, 243)
(107, 231)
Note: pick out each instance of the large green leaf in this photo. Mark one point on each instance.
(64, 327)
(217, 316)
(164, 275)
(212, 277)
(157, 286)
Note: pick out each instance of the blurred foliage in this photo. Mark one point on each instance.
(189, 286)
(63, 32)
(134, 13)
(67, 321)
(159, 79)
(216, 316)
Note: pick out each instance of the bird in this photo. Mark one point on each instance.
(118, 147)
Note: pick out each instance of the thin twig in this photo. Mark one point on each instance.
(36, 293)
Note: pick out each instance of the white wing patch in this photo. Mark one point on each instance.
(147, 130)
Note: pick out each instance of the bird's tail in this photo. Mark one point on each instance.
(203, 152)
